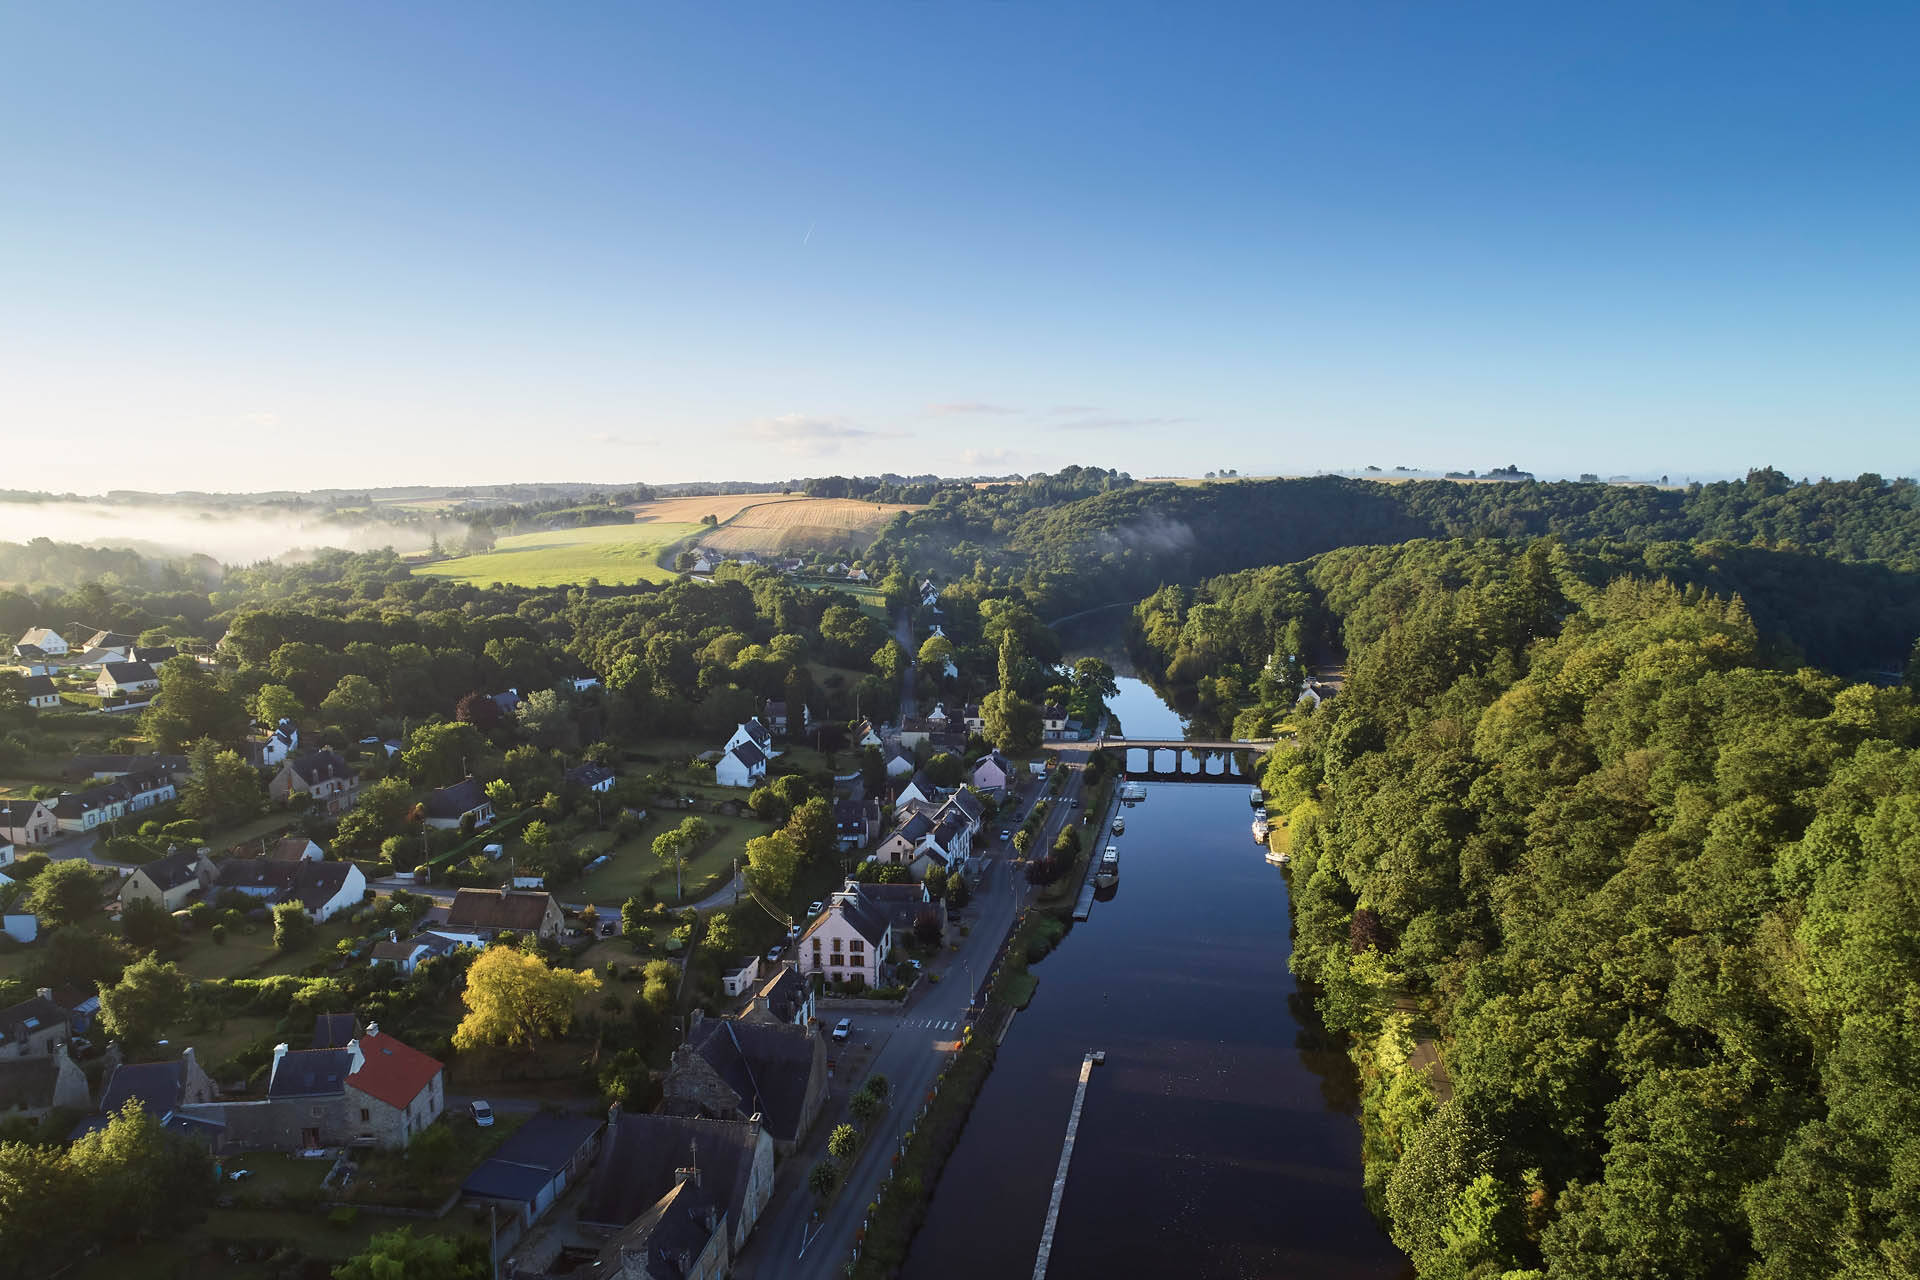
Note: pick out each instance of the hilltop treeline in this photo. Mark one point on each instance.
(1651, 893)
(1085, 537)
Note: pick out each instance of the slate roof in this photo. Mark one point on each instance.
(894, 903)
(951, 828)
(333, 1030)
(784, 993)
(321, 766)
(536, 1153)
(38, 636)
(639, 1154)
(175, 869)
(313, 884)
(154, 654)
(304, 1073)
(758, 732)
(32, 1015)
(157, 1085)
(17, 813)
(129, 672)
(916, 828)
(289, 849)
(498, 909)
(868, 922)
(850, 816)
(36, 686)
(665, 1240)
(109, 640)
(766, 1064)
(749, 755)
(461, 798)
(967, 803)
(588, 775)
(399, 952)
(393, 1072)
(923, 784)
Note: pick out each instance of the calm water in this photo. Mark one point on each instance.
(1219, 1140)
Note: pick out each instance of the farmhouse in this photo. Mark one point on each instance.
(744, 765)
(44, 639)
(992, 773)
(323, 888)
(121, 679)
(485, 912)
(170, 881)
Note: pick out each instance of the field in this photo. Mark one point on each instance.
(806, 524)
(612, 553)
(722, 507)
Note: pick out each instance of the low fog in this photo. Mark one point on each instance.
(231, 536)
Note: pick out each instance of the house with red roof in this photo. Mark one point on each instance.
(393, 1092)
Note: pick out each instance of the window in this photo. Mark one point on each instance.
(857, 945)
(365, 1115)
(836, 944)
(816, 944)
(836, 961)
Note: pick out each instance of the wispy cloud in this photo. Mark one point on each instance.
(612, 441)
(1111, 423)
(810, 435)
(970, 408)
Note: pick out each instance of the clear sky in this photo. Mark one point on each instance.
(300, 245)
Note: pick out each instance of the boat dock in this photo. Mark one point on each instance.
(1094, 1058)
(1083, 906)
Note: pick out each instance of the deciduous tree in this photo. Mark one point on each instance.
(515, 999)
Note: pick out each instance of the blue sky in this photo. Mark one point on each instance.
(301, 246)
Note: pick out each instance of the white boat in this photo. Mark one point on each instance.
(1108, 873)
(1258, 797)
(1132, 792)
(1119, 826)
(1277, 857)
(1261, 830)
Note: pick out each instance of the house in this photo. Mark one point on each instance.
(993, 773)
(170, 881)
(161, 1088)
(744, 765)
(899, 761)
(450, 807)
(855, 822)
(272, 750)
(152, 654)
(915, 732)
(125, 679)
(32, 662)
(533, 1168)
(33, 1086)
(486, 912)
(899, 904)
(679, 1194)
(110, 640)
(734, 1070)
(508, 702)
(865, 735)
(393, 1090)
(921, 789)
(786, 998)
(324, 889)
(580, 684)
(44, 639)
(850, 940)
(903, 845)
(27, 822)
(752, 731)
(295, 849)
(108, 768)
(328, 782)
(788, 723)
(591, 777)
(1053, 722)
(34, 1027)
(975, 722)
(37, 691)
(408, 954)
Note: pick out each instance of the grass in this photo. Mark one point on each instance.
(634, 867)
(403, 1179)
(803, 524)
(611, 553)
(251, 955)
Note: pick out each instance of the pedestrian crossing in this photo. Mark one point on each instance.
(933, 1024)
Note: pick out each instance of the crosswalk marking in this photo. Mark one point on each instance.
(934, 1024)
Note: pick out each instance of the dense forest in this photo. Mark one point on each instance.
(1086, 537)
(1649, 885)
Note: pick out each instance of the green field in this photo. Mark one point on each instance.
(612, 553)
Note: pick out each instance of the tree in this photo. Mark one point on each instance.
(772, 862)
(273, 703)
(514, 998)
(146, 925)
(537, 835)
(843, 1142)
(767, 806)
(1011, 722)
(354, 704)
(500, 795)
(660, 976)
(823, 1178)
(877, 1085)
(864, 1107)
(401, 1255)
(190, 705)
(926, 925)
(934, 656)
(547, 718)
(438, 755)
(381, 809)
(221, 787)
(478, 710)
(65, 893)
(156, 1181)
(958, 891)
(292, 927)
(150, 996)
(811, 827)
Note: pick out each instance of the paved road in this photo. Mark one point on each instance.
(903, 632)
(909, 1048)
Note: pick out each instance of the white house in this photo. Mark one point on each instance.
(27, 822)
(592, 777)
(850, 939)
(865, 735)
(971, 717)
(920, 790)
(744, 765)
(448, 807)
(1053, 722)
(37, 691)
(272, 751)
(125, 678)
(899, 762)
(756, 733)
(992, 772)
(45, 639)
(324, 888)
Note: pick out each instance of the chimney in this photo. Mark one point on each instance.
(45, 993)
(279, 1052)
(373, 1028)
(354, 1057)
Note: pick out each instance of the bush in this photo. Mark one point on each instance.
(219, 935)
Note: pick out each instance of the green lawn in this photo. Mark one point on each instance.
(612, 553)
(634, 867)
(251, 955)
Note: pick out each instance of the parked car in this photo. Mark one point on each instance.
(843, 1028)
(773, 954)
(609, 928)
(815, 908)
(1005, 835)
(482, 1114)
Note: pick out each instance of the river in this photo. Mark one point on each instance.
(1220, 1139)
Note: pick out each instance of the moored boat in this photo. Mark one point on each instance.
(1108, 873)
(1119, 826)
(1278, 857)
(1261, 830)
(1258, 797)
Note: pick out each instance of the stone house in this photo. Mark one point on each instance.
(33, 1086)
(850, 939)
(27, 822)
(393, 1091)
(731, 1069)
(170, 881)
(486, 912)
(35, 1027)
(329, 782)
